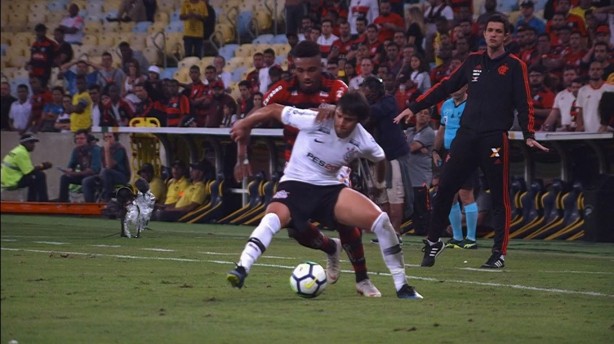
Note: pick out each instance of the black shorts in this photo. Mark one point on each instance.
(308, 202)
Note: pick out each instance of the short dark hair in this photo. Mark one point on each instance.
(306, 49)
(355, 104)
(245, 83)
(22, 86)
(496, 18)
(195, 67)
(269, 51)
(124, 44)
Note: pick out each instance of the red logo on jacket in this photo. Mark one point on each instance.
(503, 69)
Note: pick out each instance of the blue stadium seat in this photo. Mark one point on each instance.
(3, 48)
(141, 26)
(57, 6)
(228, 51)
(175, 15)
(264, 39)
(175, 26)
(168, 73)
(237, 74)
(280, 39)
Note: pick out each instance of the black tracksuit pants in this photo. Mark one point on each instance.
(489, 151)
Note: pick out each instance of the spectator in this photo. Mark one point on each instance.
(393, 59)
(151, 7)
(344, 47)
(81, 109)
(599, 53)
(588, 99)
(19, 172)
(375, 46)
(366, 67)
(153, 84)
(263, 73)
(133, 77)
(85, 161)
(275, 73)
(305, 29)
(327, 38)
(252, 76)
(230, 115)
(198, 94)
(52, 110)
(177, 106)
(388, 22)
(444, 53)
(129, 55)
(62, 124)
(6, 102)
(115, 170)
(399, 39)
(73, 25)
(490, 9)
(21, 110)
(131, 10)
(420, 139)
(572, 20)
(42, 55)
(147, 107)
(94, 92)
(543, 97)
(255, 102)
(219, 62)
(69, 76)
(40, 96)
(606, 112)
(419, 75)
(349, 72)
(244, 96)
(64, 53)
(367, 9)
(560, 118)
(415, 28)
(435, 10)
(156, 185)
(527, 17)
(574, 53)
(209, 29)
(216, 110)
(193, 14)
(294, 11)
(528, 45)
(193, 196)
(115, 111)
(107, 74)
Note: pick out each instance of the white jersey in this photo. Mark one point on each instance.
(318, 152)
(563, 101)
(588, 99)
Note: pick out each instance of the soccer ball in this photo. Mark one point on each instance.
(308, 279)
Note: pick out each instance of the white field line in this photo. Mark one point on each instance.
(158, 249)
(51, 242)
(487, 284)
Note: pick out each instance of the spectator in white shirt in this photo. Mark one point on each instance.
(263, 73)
(73, 25)
(20, 111)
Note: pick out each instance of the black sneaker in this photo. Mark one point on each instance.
(470, 244)
(236, 277)
(408, 292)
(495, 261)
(430, 252)
(454, 243)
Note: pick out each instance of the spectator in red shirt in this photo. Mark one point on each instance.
(388, 22)
(178, 105)
(215, 114)
(375, 46)
(543, 97)
(39, 98)
(148, 107)
(527, 38)
(64, 52)
(345, 46)
(115, 111)
(574, 52)
(42, 55)
(244, 97)
(199, 96)
(252, 77)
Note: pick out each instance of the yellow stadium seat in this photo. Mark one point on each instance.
(189, 61)
(22, 38)
(245, 50)
(206, 61)
(152, 55)
(126, 26)
(182, 75)
(108, 39)
(90, 40)
(92, 27)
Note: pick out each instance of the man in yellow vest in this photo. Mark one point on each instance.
(18, 171)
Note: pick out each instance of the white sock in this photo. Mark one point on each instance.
(390, 248)
(259, 240)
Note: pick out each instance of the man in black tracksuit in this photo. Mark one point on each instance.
(498, 84)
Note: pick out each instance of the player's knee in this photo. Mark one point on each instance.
(382, 222)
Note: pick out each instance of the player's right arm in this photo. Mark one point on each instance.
(241, 129)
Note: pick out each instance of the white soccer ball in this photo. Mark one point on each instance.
(308, 279)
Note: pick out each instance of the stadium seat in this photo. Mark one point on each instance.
(280, 39)
(188, 62)
(245, 50)
(56, 6)
(532, 211)
(228, 51)
(264, 39)
(162, 17)
(215, 208)
(90, 40)
(268, 190)
(175, 26)
(141, 27)
(550, 204)
(573, 219)
(168, 73)
(255, 201)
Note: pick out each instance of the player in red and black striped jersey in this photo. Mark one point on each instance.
(309, 88)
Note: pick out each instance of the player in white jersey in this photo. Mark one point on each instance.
(310, 188)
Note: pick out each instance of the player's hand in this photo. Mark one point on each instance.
(407, 114)
(534, 144)
(325, 112)
(437, 159)
(243, 169)
(240, 131)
